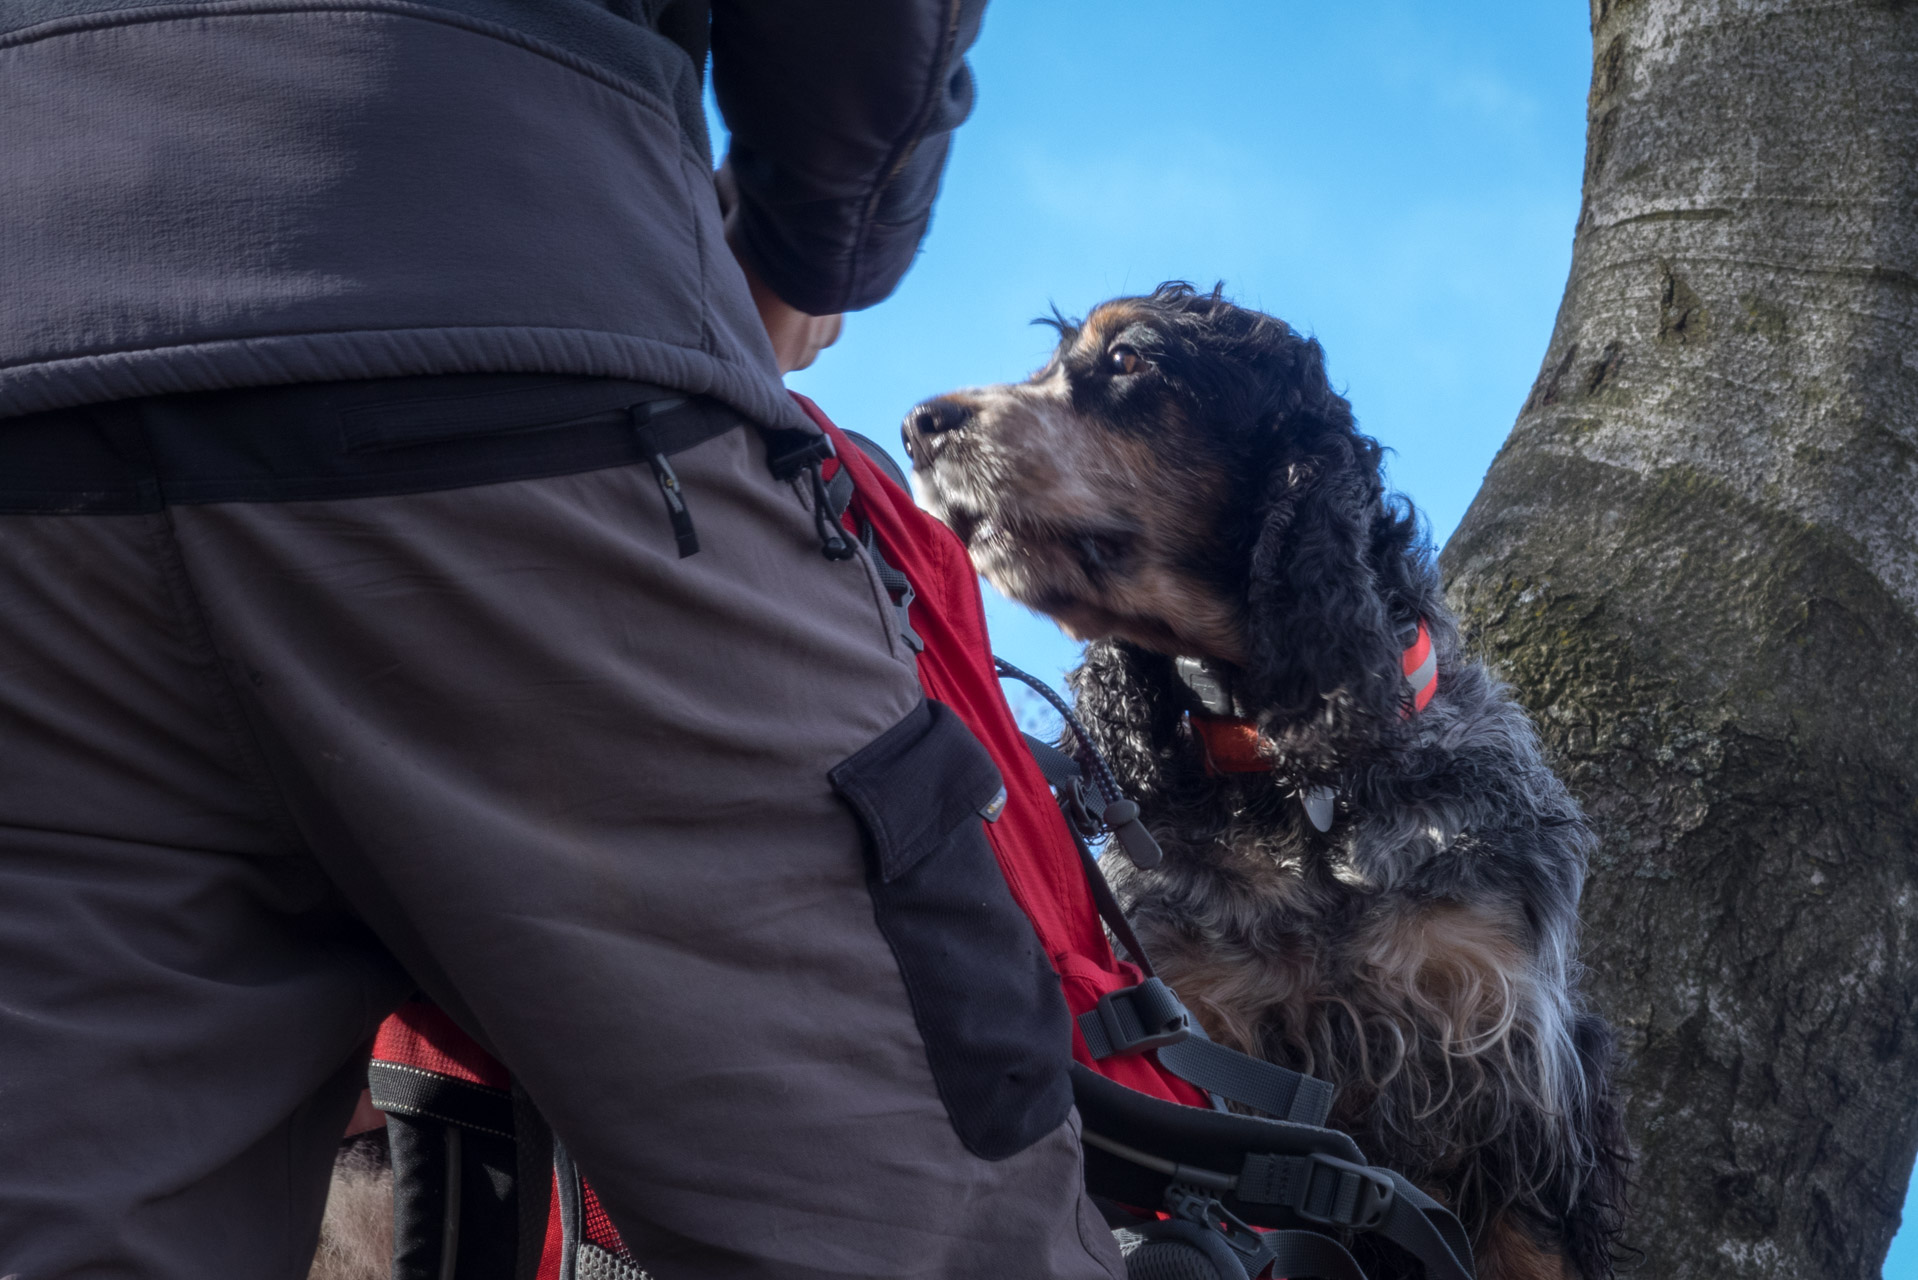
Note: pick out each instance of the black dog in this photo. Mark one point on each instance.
(1370, 872)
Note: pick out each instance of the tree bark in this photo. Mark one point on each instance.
(1697, 560)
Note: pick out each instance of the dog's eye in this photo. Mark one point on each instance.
(1124, 359)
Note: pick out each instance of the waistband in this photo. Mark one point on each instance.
(340, 440)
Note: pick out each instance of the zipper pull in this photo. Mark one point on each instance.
(683, 532)
(834, 542)
(682, 519)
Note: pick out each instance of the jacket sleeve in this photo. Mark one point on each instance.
(840, 112)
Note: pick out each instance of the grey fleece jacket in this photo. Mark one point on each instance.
(223, 193)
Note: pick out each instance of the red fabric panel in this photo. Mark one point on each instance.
(1034, 848)
(550, 1255)
(420, 1035)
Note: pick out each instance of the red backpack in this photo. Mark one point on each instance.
(477, 1171)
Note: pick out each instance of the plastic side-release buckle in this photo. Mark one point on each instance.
(790, 451)
(1319, 1188)
(1135, 1019)
(1202, 1209)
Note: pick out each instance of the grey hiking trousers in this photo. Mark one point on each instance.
(313, 696)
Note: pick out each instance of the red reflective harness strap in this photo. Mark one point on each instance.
(1231, 744)
(1420, 667)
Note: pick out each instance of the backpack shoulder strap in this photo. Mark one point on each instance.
(471, 1158)
(1148, 1017)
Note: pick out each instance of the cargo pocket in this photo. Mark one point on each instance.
(987, 1003)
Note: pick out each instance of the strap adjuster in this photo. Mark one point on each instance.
(1201, 1208)
(1135, 1019)
(1320, 1188)
(790, 451)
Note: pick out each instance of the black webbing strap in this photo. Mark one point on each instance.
(571, 1205)
(1280, 1092)
(1331, 1194)
(1058, 768)
(1428, 1231)
(413, 1091)
(1319, 1188)
(1350, 1197)
(1353, 1197)
(839, 491)
(1149, 1017)
(1063, 775)
(1108, 905)
(1308, 1180)
(533, 1149)
(898, 589)
(897, 585)
(1135, 1019)
(1307, 1255)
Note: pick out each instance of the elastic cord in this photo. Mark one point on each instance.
(1102, 775)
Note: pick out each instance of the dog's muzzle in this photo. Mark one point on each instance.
(931, 425)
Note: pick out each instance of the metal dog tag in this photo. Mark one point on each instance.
(1318, 806)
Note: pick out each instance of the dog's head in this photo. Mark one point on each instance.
(1181, 477)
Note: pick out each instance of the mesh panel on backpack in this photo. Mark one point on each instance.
(595, 1263)
(1171, 1260)
(596, 1227)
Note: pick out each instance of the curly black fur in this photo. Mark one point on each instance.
(1422, 953)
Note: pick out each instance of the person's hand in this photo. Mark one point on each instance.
(798, 338)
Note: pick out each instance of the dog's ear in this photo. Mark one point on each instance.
(1126, 698)
(1323, 650)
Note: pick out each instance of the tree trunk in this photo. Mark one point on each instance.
(1697, 560)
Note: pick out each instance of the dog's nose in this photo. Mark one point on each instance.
(929, 422)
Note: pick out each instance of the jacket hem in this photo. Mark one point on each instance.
(275, 360)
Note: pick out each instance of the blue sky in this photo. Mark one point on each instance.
(1400, 180)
